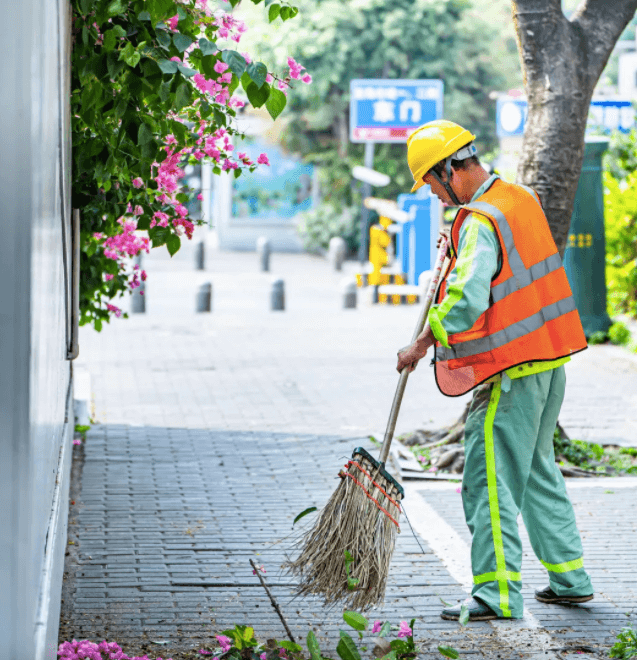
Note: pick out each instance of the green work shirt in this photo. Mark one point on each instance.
(469, 284)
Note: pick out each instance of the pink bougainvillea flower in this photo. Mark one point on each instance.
(77, 441)
(263, 656)
(282, 653)
(247, 58)
(200, 196)
(307, 78)
(404, 630)
(138, 210)
(220, 66)
(263, 159)
(459, 489)
(108, 277)
(171, 139)
(261, 568)
(376, 627)
(224, 642)
(269, 78)
(433, 468)
(204, 652)
(116, 310)
(137, 183)
(172, 22)
(176, 59)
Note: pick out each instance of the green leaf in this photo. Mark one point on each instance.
(144, 135)
(186, 71)
(346, 648)
(355, 620)
(258, 96)
(237, 173)
(313, 647)
(116, 7)
(130, 55)
(143, 16)
(273, 12)
(448, 652)
(173, 243)
(276, 102)
(248, 634)
(284, 13)
(390, 656)
(164, 90)
(348, 556)
(385, 630)
(220, 117)
(290, 646)
(207, 47)
(234, 3)
(167, 66)
(110, 40)
(464, 615)
(257, 72)
(144, 222)
(399, 646)
(303, 514)
(245, 80)
(181, 41)
(183, 96)
(235, 61)
(164, 39)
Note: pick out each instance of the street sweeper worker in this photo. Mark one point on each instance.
(504, 323)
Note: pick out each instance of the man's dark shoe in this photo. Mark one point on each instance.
(549, 596)
(478, 611)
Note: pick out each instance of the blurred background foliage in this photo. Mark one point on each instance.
(620, 198)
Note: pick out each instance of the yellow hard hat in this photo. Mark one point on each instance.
(433, 142)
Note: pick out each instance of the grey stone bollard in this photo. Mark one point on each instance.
(264, 249)
(138, 302)
(350, 293)
(204, 298)
(200, 256)
(277, 295)
(336, 252)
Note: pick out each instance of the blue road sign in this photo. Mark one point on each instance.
(605, 115)
(385, 110)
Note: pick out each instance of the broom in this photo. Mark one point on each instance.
(345, 556)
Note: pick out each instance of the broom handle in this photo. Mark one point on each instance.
(404, 374)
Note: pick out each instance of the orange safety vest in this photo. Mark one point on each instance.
(532, 315)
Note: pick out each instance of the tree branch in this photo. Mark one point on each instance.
(601, 23)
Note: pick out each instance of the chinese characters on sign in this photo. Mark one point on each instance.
(390, 110)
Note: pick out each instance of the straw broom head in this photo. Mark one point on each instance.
(345, 556)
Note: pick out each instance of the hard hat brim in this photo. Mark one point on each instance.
(419, 184)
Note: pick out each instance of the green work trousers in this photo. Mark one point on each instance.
(509, 469)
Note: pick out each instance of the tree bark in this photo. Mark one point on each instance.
(562, 61)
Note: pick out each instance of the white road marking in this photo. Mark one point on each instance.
(455, 555)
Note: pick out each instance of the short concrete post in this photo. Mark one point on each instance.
(336, 252)
(277, 295)
(204, 298)
(138, 300)
(350, 292)
(263, 249)
(200, 256)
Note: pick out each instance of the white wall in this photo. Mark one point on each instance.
(35, 434)
(627, 77)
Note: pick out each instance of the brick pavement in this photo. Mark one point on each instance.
(216, 430)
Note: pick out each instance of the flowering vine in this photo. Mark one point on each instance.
(156, 85)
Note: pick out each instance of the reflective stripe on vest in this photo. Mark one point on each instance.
(522, 276)
(510, 333)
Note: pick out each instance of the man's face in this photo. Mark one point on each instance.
(437, 189)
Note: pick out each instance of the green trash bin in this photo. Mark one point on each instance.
(585, 255)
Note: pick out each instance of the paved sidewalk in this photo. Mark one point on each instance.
(214, 431)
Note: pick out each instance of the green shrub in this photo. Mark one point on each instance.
(621, 243)
(619, 334)
(598, 337)
(317, 226)
(626, 645)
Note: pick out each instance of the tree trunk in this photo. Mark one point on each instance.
(562, 61)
